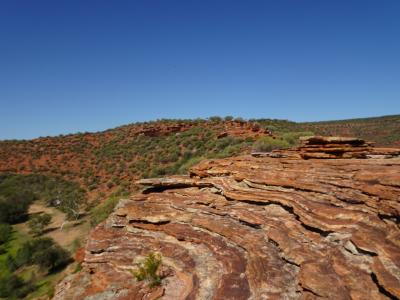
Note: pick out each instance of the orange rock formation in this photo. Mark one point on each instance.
(250, 227)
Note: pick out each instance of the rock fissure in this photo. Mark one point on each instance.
(289, 209)
(382, 288)
(311, 291)
(394, 219)
(255, 226)
(155, 222)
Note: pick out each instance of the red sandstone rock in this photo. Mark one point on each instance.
(222, 135)
(229, 128)
(254, 228)
(80, 255)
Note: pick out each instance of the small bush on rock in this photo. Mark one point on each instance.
(148, 269)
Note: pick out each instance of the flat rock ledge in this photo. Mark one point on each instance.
(253, 228)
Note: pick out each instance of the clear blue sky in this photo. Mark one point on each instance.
(68, 66)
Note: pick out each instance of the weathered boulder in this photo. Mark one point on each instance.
(254, 228)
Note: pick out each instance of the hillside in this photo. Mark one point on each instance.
(112, 160)
(108, 161)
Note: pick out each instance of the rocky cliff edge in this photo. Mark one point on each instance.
(287, 225)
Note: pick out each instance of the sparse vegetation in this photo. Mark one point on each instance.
(18, 191)
(148, 269)
(189, 163)
(293, 137)
(99, 213)
(267, 144)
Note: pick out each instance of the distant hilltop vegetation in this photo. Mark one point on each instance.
(110, 161)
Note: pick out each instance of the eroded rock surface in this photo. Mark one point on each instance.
(254, 228)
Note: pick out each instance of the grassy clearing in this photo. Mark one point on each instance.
(71, 230)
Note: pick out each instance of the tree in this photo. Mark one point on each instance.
(44, 253)
(215, 119)
(14, 206)
(70, 202)
(37, 223)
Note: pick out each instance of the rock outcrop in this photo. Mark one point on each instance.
(255, 228)
(235, 128)
(333, 147)
(320, 147)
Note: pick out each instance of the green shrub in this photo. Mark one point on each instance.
(222, 143)
(215, 119)
(10, 263)
(76, 244)
(5, 232)
(266, 144)
(188, 164)
(230, 150)
(102, 211)
(293, 137)
(77, 269)
(148, 269)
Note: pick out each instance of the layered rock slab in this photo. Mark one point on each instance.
(334, 147)
(253, 228)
